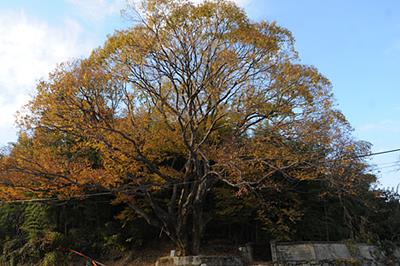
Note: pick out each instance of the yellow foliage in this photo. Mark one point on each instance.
(191, 93)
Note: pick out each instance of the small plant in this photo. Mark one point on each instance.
(53, 258)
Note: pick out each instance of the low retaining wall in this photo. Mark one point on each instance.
(324, 253)
(200, 261)
(296, 254)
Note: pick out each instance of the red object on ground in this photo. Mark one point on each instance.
(92, 261)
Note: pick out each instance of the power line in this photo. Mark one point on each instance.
(171, 184)
(55, 199)
(58, 199)
(376, 153)
(87, 195)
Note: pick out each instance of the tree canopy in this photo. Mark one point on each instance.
(190, 98)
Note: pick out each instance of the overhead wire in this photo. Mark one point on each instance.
(57, 199)
(86, 195)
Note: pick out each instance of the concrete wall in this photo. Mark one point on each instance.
(292, 253)
(295, 254)
(200, 261)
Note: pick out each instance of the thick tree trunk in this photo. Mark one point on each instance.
(192, 242)
(190, 235)
(182, 220)
(187, 230)
(191, 231)
(197, 228)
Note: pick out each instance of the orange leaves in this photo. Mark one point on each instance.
(191, 92)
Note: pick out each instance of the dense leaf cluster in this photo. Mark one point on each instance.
(199, 122)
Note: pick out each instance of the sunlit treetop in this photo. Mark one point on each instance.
(189, 96)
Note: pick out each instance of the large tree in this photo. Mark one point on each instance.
(191, 95)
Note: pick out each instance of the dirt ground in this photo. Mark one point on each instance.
(145, 257)
(148, 256)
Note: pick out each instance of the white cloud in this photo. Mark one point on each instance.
(99, 9)
(29, 50)
(386, 126)
(8, 107)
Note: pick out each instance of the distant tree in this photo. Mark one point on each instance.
(191, 95)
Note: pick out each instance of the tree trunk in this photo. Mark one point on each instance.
(197, 229)
(183, 219)
(187, 230)
(191, 230)
(190, 235)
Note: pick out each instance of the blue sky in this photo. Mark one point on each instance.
(356, 44)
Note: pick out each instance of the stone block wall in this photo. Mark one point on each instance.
(200, 261)
(324, 253)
